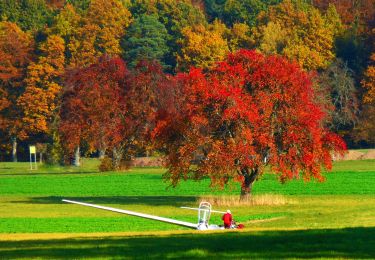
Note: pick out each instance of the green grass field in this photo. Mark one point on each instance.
(334, 219)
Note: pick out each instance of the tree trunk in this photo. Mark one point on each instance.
(40, 158)
(101, 153)
(247, 185)
(245, 192)
(14, 149)
(117, 157)
(77, 157)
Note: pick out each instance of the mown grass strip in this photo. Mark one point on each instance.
(145, 184)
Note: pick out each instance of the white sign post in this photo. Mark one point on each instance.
(32, 149)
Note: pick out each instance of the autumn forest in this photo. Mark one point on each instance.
(205, 82)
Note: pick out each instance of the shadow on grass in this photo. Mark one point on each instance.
(126, 200)
(320, 243)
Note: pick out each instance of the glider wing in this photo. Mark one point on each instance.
(137, 214)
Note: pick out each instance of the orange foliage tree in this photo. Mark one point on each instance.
(247, 112)
(40, 99)
(367, 124)
(369, 81)
(16, 49)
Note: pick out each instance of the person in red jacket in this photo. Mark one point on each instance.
(227, 218)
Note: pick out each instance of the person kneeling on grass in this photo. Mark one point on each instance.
(227, 218)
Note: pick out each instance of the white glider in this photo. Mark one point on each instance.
(204, 213)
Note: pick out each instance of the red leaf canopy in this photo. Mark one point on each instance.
(111, 108)
(93, 106)
(248, 112)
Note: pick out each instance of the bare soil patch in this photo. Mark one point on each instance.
(353, 155)
(357, 155)
(147, 162)
(370, 155)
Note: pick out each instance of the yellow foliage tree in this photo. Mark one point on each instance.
(82, 46)
(100, 32)
(239, 37)
(300, 32)
(65, 23)
(43, 86)
(274, 38)
(202, 46)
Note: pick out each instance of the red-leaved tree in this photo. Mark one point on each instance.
(145, 85)
(93, 108)
(111, 108)
(248, 112)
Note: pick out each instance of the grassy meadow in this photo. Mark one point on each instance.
(333, 219)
